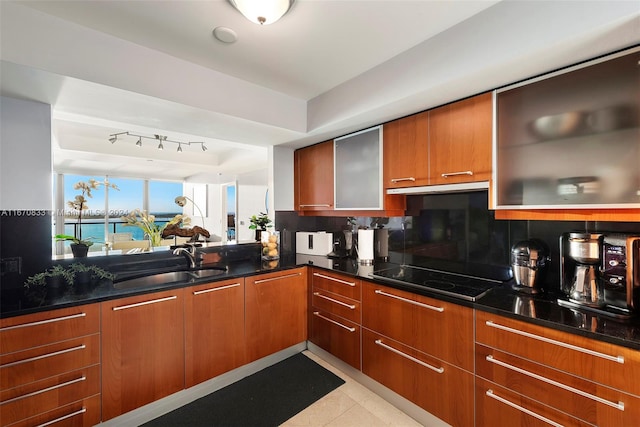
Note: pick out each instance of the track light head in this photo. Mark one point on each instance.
(113, 139)
(160, 146)
(179, 147)
(204, 147)
(139, 143)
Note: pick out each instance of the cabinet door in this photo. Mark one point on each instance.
(460, 141)
(142, 350)
(438, 328)
(276, 312)
(438, 387)
(214, 329)
(336, 335)
(406, 157)
(314, 177)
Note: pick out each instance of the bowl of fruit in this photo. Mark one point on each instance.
(270, 245)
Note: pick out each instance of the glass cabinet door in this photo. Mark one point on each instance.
(358, 170)
(571, 138)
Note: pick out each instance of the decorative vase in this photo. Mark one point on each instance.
(55, 287)
(82, 282)
(258, 234)
(155, 238)
(79, 250)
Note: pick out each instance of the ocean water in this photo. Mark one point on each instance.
(96, 230)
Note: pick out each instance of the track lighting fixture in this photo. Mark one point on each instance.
(160, 138)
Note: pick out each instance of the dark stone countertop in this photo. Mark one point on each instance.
(541, 309)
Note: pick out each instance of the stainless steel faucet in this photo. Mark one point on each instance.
(189, 252)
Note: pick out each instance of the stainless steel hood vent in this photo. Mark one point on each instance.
(442, 188)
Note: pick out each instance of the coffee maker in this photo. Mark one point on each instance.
(601, 271)
(580, 261)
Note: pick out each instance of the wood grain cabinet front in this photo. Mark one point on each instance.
(460, 141)
(313, 184)
(406, 151)
(142, 350)
(276, 311)
(214, 329)
(50, 368)
(335, 315)
(592, 381)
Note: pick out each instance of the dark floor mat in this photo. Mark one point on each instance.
(266, 398)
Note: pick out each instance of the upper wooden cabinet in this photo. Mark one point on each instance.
(406, 157)
(460, 141)
(313, 183)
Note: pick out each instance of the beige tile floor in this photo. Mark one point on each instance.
(351, 404)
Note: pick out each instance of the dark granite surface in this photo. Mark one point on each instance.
(540, 309)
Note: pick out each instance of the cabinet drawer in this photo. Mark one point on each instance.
(594, 403)
(336, 304)
(35, 398)
(34, 364)
(83, 413)
(441, 329)
(604, 363)
(497, 406)
(440, 388)
(32, 330)
(336, 335)
(338, 284)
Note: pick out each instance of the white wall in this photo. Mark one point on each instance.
(25, 155)
(281, 178)
(250, 202)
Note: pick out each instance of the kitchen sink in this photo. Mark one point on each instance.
(151, 280)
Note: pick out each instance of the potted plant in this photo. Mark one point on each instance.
(80, 246)
(147, 223)
(86, 276)
(51, 283)
(259, 223)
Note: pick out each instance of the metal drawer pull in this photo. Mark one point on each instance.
(351, 306)
(153, 301)
(447, 175)
(315, 206)
(619, 359)
(276, 278)
(619, 405)
(64, 417)
(44, 356)
(316, 313)
(43, 322)
(77, 380)
(344, 282)
(520, 408)
(405, 355)
(396, 180)
(430, 307)
(204, 291)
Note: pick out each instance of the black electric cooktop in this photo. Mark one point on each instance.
(459, 285)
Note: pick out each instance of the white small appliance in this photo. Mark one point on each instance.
(314, 243)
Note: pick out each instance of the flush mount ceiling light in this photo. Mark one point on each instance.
(263, 12)
(159, 138)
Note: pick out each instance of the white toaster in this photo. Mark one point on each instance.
(314, 243)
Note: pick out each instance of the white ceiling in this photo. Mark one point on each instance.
(325, 69)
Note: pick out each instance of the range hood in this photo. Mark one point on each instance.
(442, 188)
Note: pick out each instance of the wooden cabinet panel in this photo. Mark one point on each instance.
(142, 350)
(406, 151)
(48, 394)
(32, 330)
(440, 388)
(601, 362)
(337, 304)
(83, 413)
(497, 406)
(41, 362)
(276, 312)
(214, 329)
(592, 402)
(336, 335)
(313, 184)
(441, 329)
(344, 285)
(460, 141)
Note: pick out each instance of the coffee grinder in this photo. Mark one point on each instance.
(580, 264)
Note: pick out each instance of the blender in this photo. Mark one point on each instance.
(529, 260)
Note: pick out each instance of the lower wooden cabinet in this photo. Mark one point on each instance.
(82, 413)
(142, 350)
(498, 406)
(276, 311)
(336, 335)
(214, 329)
(440, 388)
